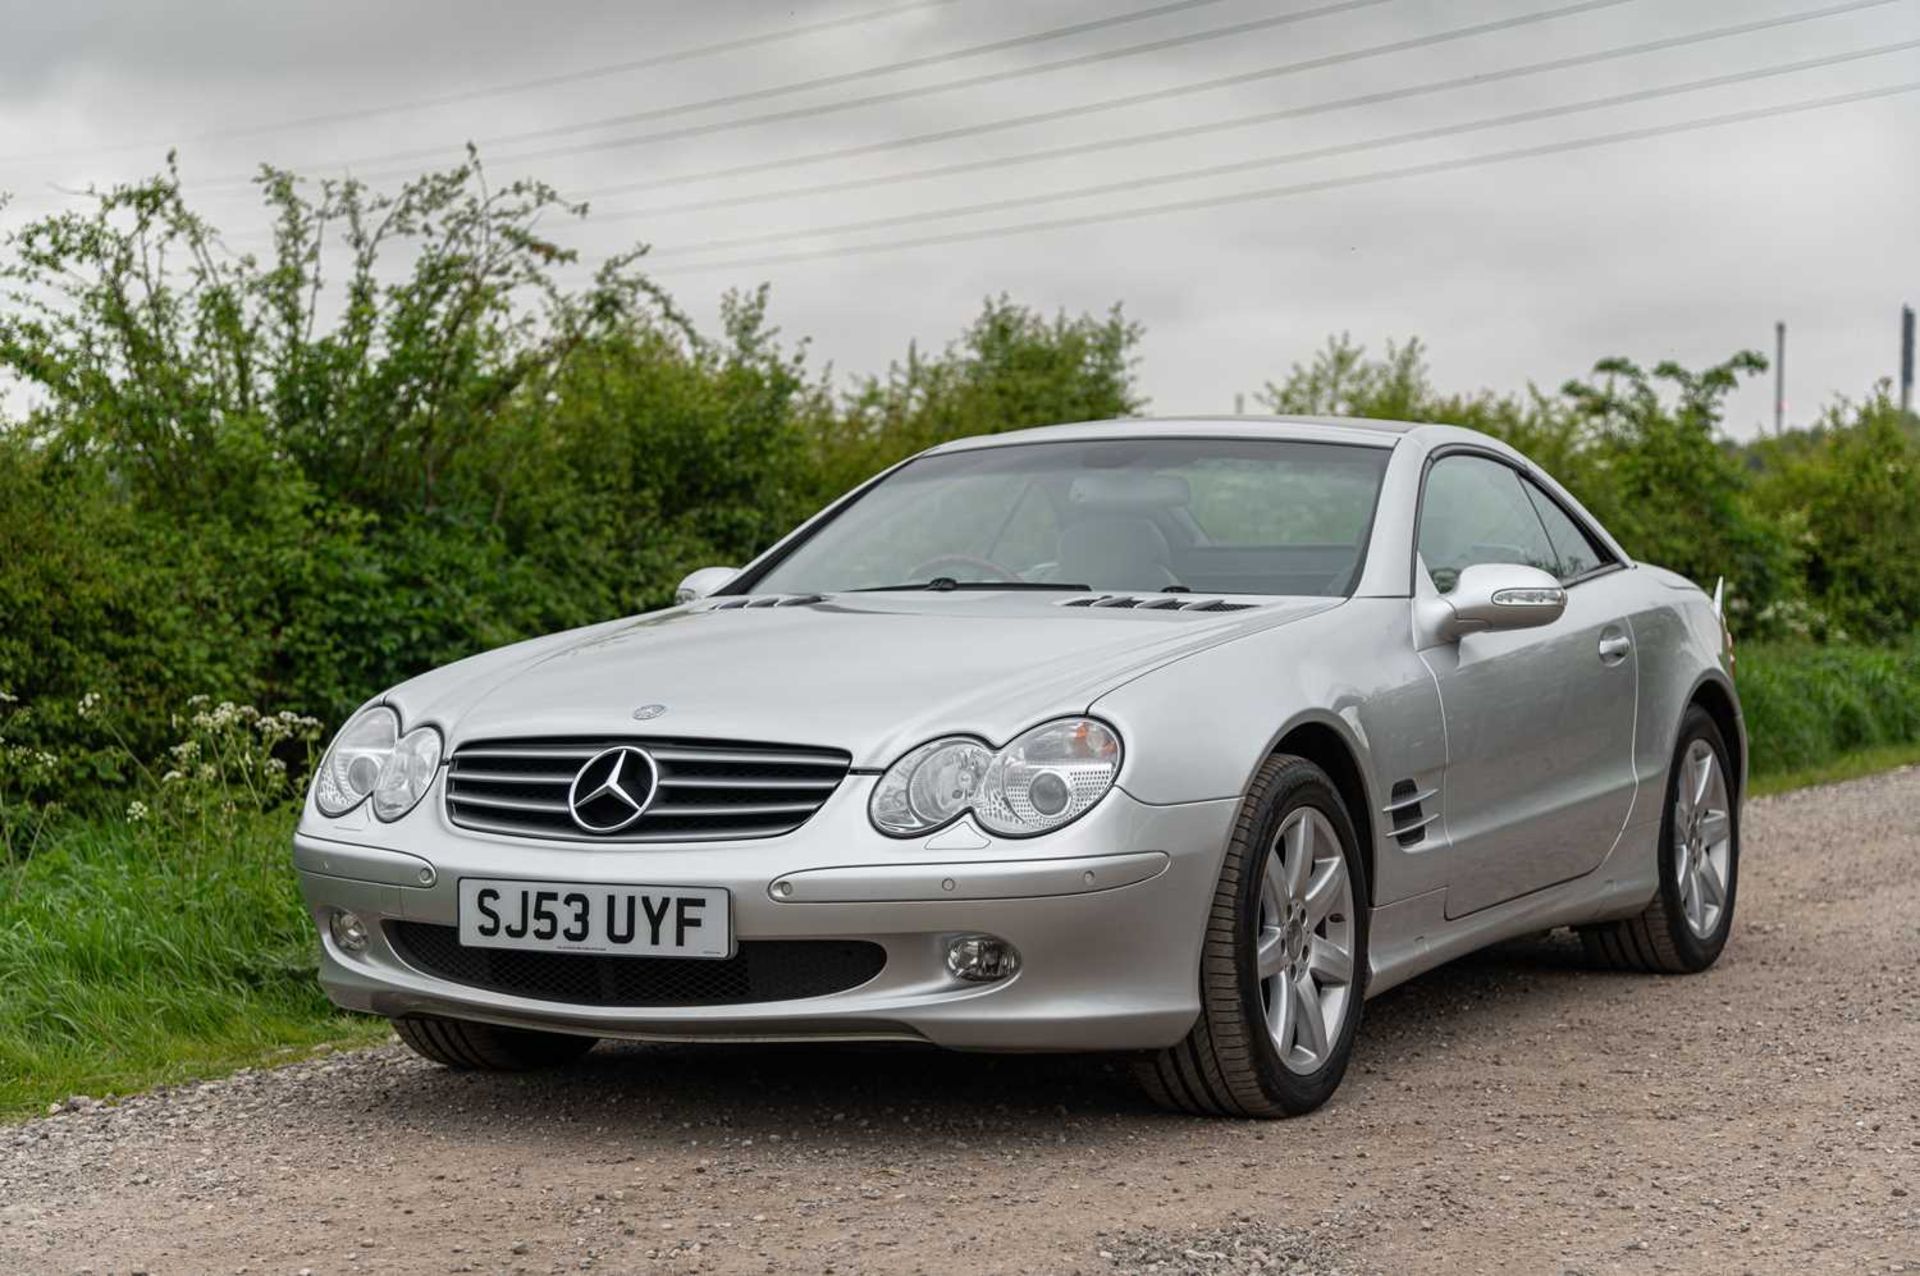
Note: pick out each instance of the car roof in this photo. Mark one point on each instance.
(1356, 430)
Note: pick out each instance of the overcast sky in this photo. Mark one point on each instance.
(1682, 244)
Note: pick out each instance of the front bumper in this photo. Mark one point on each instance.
(1107, 914)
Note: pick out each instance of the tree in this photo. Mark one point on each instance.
(1012, 368)
(1847, 493)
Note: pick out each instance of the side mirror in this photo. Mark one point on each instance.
(1502, 596)
(699, 584)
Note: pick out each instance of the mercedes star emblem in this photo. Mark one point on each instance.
(613, 789)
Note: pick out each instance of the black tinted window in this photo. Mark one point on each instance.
(1474, 511)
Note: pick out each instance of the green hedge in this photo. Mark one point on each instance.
(1807, 705)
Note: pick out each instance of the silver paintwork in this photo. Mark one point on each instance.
(1496, 596)
(1538, 759)
(699, 584)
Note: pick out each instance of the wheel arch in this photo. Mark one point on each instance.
(1718, 702)
(1328, 748)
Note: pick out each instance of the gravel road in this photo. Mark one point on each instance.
(1515, 1112)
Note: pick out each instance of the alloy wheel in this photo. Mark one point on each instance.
(1702, 838)
(1304, 951)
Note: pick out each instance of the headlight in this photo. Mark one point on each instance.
(370, 758)
(404, 780)
(1045, 778)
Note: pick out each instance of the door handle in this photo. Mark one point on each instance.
(1614, 648)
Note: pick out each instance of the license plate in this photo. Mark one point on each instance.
(579, 917)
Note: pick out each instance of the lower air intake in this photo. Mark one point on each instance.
(762, 970)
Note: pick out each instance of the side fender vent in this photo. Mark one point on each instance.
(1407, 813)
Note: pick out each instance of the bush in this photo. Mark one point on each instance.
(1653, 470)
(1806, 705)
(166, 940)
(1848, 495)
(238, 477)
(397, 439)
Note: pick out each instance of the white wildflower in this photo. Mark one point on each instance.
(136, 812)
(172, 777)
(89, 704)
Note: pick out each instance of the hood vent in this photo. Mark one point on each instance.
(767, 600)
(1158, 602)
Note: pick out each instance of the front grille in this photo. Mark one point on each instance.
(762, 970)
(709, 790)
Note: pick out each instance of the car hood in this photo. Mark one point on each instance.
(873, 674)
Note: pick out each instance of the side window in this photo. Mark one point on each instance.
(1474, 511)
(1577, 552)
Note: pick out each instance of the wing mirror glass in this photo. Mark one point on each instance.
(699, 584)
(1503, 596)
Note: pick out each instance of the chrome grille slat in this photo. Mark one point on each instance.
(708, 791)
(513, 777)
(745, 757)
(511, 804)
(722, 782)
(681, 810)
(496, 751)
(731, 833)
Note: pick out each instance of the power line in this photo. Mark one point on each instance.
(1301, 188)
(1135, 99)
(1293, 157)
(406, 159)
(1132, 140)
(515, 87)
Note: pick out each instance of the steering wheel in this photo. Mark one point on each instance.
(925, 571)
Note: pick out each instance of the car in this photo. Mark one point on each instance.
(1178, 739)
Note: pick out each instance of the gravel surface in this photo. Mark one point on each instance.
(1513, 1112)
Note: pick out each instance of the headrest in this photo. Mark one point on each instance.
(1122, 491)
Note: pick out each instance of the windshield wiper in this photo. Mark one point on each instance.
(947, 584)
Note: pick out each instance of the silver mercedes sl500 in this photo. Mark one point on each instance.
(1178, 738)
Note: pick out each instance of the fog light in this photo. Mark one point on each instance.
(982, 959)
(349, 932)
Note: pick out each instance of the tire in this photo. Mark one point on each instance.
(485, 1047)
(1667, 938)
(1230, 1063)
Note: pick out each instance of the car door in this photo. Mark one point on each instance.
(1539, 777)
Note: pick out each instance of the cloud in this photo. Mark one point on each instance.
(1687, 246)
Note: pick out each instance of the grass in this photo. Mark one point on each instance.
(134, 956)
(1848, 766)
(1810, 706)
(140, 954)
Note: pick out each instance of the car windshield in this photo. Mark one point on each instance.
(1202, 515)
